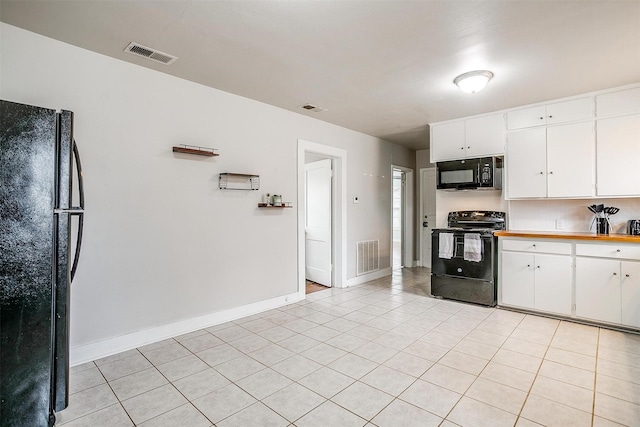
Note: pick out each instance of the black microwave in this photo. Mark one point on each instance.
(484, 173)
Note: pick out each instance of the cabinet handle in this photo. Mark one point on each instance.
(541, 173)
(617, 250)
(541, 118)
(551, 173)
(528, 265)
(462, 148)
(626, 275)
(534, 245)
(538, 267)
(615, 274)
(468, 147)
(550, 117)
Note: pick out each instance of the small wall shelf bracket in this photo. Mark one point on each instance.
(238, 181)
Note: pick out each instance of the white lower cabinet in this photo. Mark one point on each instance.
(608, 290)
(536, 281)
(553, 283)
(517, 282)
(630, 293)
(537, 274)
(598, 289)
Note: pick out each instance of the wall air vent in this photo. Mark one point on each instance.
(311, 107)
(149, 53)
(368, 257)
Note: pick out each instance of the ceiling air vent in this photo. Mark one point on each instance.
(311, 107)
(149, 53)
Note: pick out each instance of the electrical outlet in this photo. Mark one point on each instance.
(559, 224)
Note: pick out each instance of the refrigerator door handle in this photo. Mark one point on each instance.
(78, 211)
(80, 215)
(76, 156)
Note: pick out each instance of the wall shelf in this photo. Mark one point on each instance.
(264, 205)
(198, 151)
(238, 181)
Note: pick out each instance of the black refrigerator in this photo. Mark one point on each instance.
(37, 157)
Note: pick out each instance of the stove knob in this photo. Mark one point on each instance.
(459, 270)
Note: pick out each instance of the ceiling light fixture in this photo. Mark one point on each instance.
(473, 81)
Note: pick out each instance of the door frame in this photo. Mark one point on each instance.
(338, 212)
(423, 171)
(408, 222)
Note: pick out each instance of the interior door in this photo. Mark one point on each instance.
(428, 213)
(318, 221)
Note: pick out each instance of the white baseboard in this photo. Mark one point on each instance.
(367, 277)
(97, 350)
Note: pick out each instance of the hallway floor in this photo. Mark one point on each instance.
(380, 354)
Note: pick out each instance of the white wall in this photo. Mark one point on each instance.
(541, 215)
(162, 243)
(485, 200)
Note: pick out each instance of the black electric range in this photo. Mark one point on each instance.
(464, 257)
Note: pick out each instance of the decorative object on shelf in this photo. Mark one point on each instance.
(192, 149)
(266, 199)
(238, 181)
(277, 200)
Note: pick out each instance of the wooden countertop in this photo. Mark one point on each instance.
(613, 237)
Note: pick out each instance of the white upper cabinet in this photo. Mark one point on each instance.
(571, 160)
(618, 103)
(526, 164)
(485, 136)
(526, 118)
(447, 141)
(559, 112)
(557, 161)
(618, 153)
(476, 137)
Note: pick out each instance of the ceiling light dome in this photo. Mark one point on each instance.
(473, 81)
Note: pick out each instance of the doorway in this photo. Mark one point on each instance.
(427, 213)
(318, 221)
(398, 188)
(321, 215)
(402, 217)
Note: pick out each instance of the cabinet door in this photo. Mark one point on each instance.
(526, 160)
(526, 118)
(618, 153)
(517, 279)
(485, 136)
(630, 293)
(598, 289)
(570, 111)
(448, 141)
(571, 160)
(619, 103)
(553, 283)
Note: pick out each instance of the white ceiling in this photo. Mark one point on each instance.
(384, 68)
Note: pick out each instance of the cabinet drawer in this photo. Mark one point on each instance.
(560, 248)
(623, 251)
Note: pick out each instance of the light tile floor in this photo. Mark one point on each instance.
(380, 354)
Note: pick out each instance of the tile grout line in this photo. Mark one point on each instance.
(595, 380)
